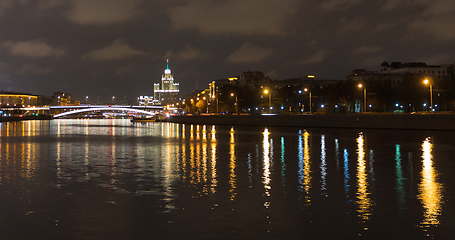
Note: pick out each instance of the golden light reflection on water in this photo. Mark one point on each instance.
(306, 166)
(204, 160)
(429, 189)
(199, 166)
(364, 201)
(232, 166)
(266, 180)
(19, 159)
(213, 146)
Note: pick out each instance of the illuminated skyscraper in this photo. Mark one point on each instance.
(167, 91)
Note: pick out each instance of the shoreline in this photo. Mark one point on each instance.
(427, 121)
(19, 119)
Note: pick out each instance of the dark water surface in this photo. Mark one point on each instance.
(110, 179)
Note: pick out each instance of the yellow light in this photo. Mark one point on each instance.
(232, 78)
(305, 89)
(204, 98)
(232, 94)
(311, 76)
(426, 81)
(360, 85)
(266, 91)
(430, 193)
(17, 95)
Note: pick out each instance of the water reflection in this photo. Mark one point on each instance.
(307, 166)
(232, 165)
(323, 167)
(399, 176)
(266, 180)
(346, 171)
(363, 196)
(429, 189)
(190, 167)
(213, 158)
(283, 161)
(266, 176)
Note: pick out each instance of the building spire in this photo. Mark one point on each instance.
(167, 64)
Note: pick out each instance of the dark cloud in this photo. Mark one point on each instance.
(118, 47)
(249, 53)
(317, 57)
(245, 17)
(33, 48)
(102, 12)
(187, 53)
(116, 51)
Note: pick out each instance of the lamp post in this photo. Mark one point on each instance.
(361, 86)
(427, 82)
(308, 91)
(207, 103)
(268, 92)
(236, 104)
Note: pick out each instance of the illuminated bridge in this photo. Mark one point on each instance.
(62, 111)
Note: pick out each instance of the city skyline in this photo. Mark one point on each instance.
(86, 48)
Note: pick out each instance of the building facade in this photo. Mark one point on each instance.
(167, 90)
(13, 99)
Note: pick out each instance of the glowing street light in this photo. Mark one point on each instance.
(268, 92)
(307, 90)
(236, 104)
(427, 82)
(361, 86)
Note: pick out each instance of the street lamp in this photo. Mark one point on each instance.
(206, 102)
(361, 86)
(268, 92)
(236, 102)
(308, 91)
(427, 82)
(113, 99)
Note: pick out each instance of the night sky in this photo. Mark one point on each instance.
(119, 47)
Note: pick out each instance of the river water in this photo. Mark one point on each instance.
(111, 179)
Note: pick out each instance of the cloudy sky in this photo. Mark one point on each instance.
(118, 47)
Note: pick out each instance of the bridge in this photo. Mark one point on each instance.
(62, 111)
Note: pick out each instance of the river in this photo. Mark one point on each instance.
(112, 179)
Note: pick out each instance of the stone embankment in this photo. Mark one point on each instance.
(420, 121)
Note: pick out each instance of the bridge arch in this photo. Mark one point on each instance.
(104, 109)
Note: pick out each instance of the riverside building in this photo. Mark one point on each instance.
(14, 99)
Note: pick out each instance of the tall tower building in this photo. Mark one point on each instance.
(167, 91)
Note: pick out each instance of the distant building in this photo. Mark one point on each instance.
(395, 74)
(418, 68)
(62, 98)
(167, 91)
(15, 99)
(146, 101)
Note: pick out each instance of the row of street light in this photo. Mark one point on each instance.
(426, 82)
(268, 92)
